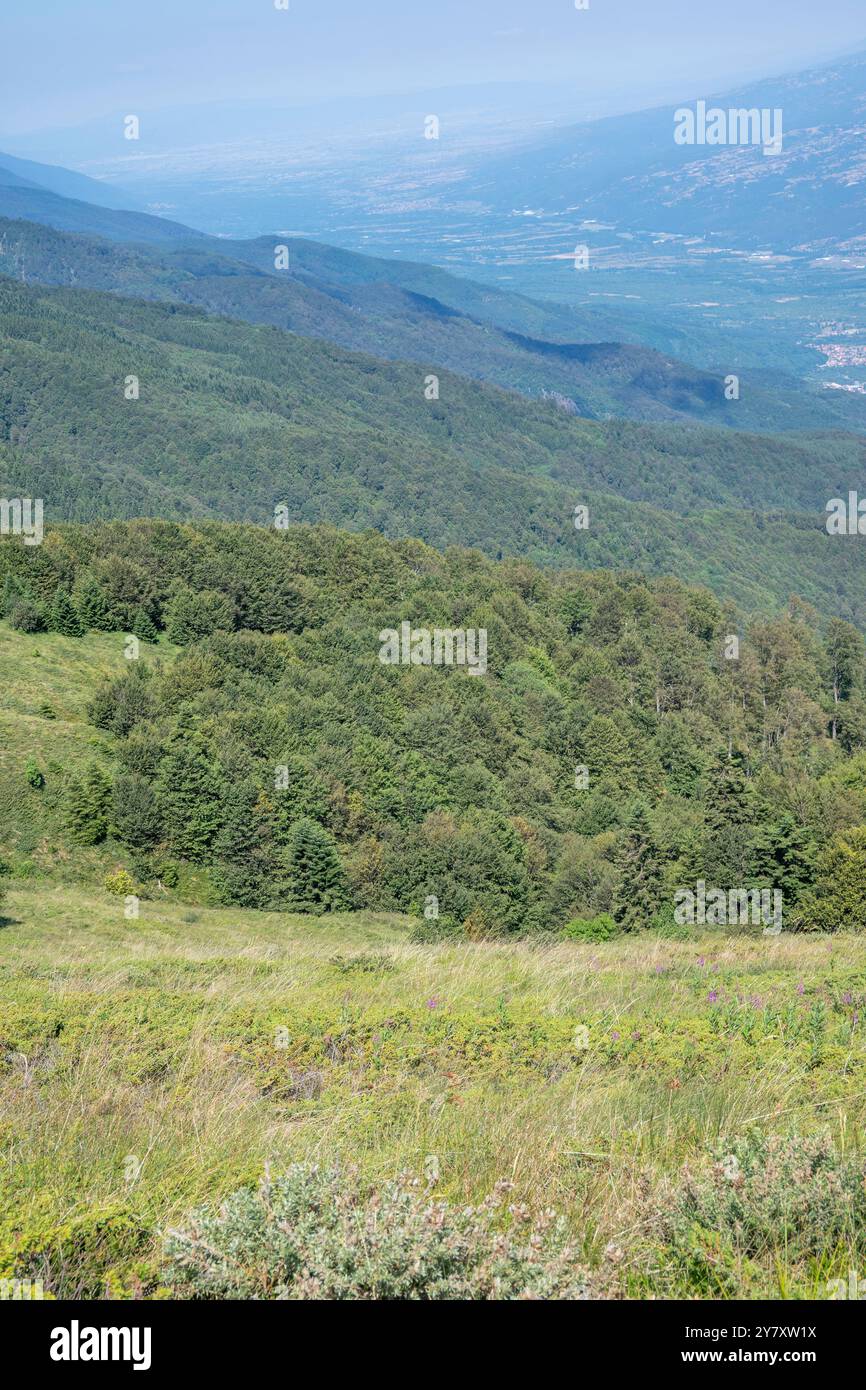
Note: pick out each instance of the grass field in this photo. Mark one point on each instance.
(152, 1064)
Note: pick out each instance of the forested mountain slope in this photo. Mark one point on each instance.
(233, 421)
(237, 420)
(395, 311)
(278, 739)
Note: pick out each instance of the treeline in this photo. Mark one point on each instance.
(618, 748)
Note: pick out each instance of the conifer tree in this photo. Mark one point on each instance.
(783, 856)
(604, 750)
(144, 627)
(726, 790)
(189, 792)
(62, 617)
(12, 592)
(135, 813)
(248, 871)
(728, 821)
(638, 894)
(87, 805)
(317, 882)
(93, 606)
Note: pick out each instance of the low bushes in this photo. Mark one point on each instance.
(762, 1199)
(101, 1254)
(317, 1234)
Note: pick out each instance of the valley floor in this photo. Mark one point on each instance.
(152, 1064)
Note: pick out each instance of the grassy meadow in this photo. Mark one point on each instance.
(156, 1063)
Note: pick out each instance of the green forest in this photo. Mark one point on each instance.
(277, 757)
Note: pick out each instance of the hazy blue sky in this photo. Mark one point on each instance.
(66, 62)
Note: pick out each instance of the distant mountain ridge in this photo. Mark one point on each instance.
(233, 420)
(66, 183)
(394, 310)
(21, 197)
(629, 169)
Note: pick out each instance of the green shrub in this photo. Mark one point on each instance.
(367, 963)
(665, 924)
(25, 616)
(838, 901)
(120, 882)
(316, 1234)
(168, 873)
(442, 928)
(83, 1258)
(600, 928)
(763, 1195)
(33, 774)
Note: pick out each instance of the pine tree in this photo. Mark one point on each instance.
(11, 594)
(728, 822)
(248, 873)
(681, 759)
(604, 750)
(135, 814)
(726, 790)
(190, 792)
(87, 804)
(638, 894)
(783, 856)
(144, 627)
(93, 606)
(63, 617)
(317, 882)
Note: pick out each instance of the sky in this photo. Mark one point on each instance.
(64, 64)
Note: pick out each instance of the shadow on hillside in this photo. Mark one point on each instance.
(9, 921)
